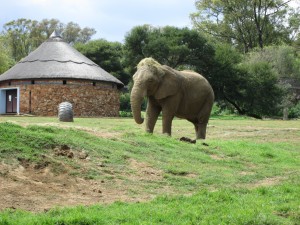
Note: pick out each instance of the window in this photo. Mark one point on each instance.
(64, 82)
(9, 83)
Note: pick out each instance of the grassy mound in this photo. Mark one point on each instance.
(237, 181)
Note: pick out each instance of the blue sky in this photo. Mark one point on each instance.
(112, 19)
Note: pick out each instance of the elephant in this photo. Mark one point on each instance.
(184, 94)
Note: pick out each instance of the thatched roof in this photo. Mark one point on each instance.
(56, 59)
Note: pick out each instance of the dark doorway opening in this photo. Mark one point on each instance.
(11, 101)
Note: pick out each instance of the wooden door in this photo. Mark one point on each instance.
(11, 101)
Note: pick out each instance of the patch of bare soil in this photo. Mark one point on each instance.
(143, 171)
(216, 157)
(269, 181)
(35, 187)
(245, 173)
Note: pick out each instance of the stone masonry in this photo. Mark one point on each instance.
(89, 99)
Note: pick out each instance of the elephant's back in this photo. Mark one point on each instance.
(195, 85)
(196, 93)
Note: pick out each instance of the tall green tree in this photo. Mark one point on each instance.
(247, 24)
(18, 34)
(25, 35)
(283, 59)
(73, 33)
(108, 55)
(259, 94)
(248, 83)
(177, 47)
(226, 77)
(5, 57)
(285, 64)
(47, 26)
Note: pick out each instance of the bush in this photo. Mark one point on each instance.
(125, 114)
(125, 102)
(294, 112)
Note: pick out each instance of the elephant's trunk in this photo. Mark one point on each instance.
(136, 99)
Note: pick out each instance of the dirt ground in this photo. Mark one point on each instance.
(35, 188)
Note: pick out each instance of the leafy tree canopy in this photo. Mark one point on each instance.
(25, 35)
(250, 83)
(177, 47)
(248, 24)
(284, 60)
(5, 60)
(108, 55)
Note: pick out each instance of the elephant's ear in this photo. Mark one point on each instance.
(169, 84)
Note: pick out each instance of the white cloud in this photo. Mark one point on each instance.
(295, 3)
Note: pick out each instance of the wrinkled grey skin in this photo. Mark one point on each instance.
(184, 94)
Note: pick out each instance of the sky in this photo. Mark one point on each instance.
(112, 19)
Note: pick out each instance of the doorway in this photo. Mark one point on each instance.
(11, 101)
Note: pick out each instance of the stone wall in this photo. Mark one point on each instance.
(89, 99)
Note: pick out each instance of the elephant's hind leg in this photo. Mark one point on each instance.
(202, 120)
(200, 129)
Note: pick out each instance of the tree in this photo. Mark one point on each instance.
(247, 24)
(46, 27)
(285, 63)
(179, 48)
(226, 76)
(283, 59)
(5, 60)
(19, 35)
(259, 93)
(108, 55)
(73, 33)
(25, 35)
(248, 83)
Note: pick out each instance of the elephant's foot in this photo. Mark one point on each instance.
(149, 131)
(167, 134)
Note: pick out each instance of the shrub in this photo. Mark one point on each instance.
(125, 114)
(125, 102)
(294, 112)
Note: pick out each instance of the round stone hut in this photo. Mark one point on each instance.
(56, 72)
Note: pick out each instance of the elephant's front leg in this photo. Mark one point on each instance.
(152, 112)
(167, 118)
(168, 112)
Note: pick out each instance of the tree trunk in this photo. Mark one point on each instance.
(285, 113)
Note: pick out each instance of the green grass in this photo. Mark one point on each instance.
(248, 173)
(275, 205)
